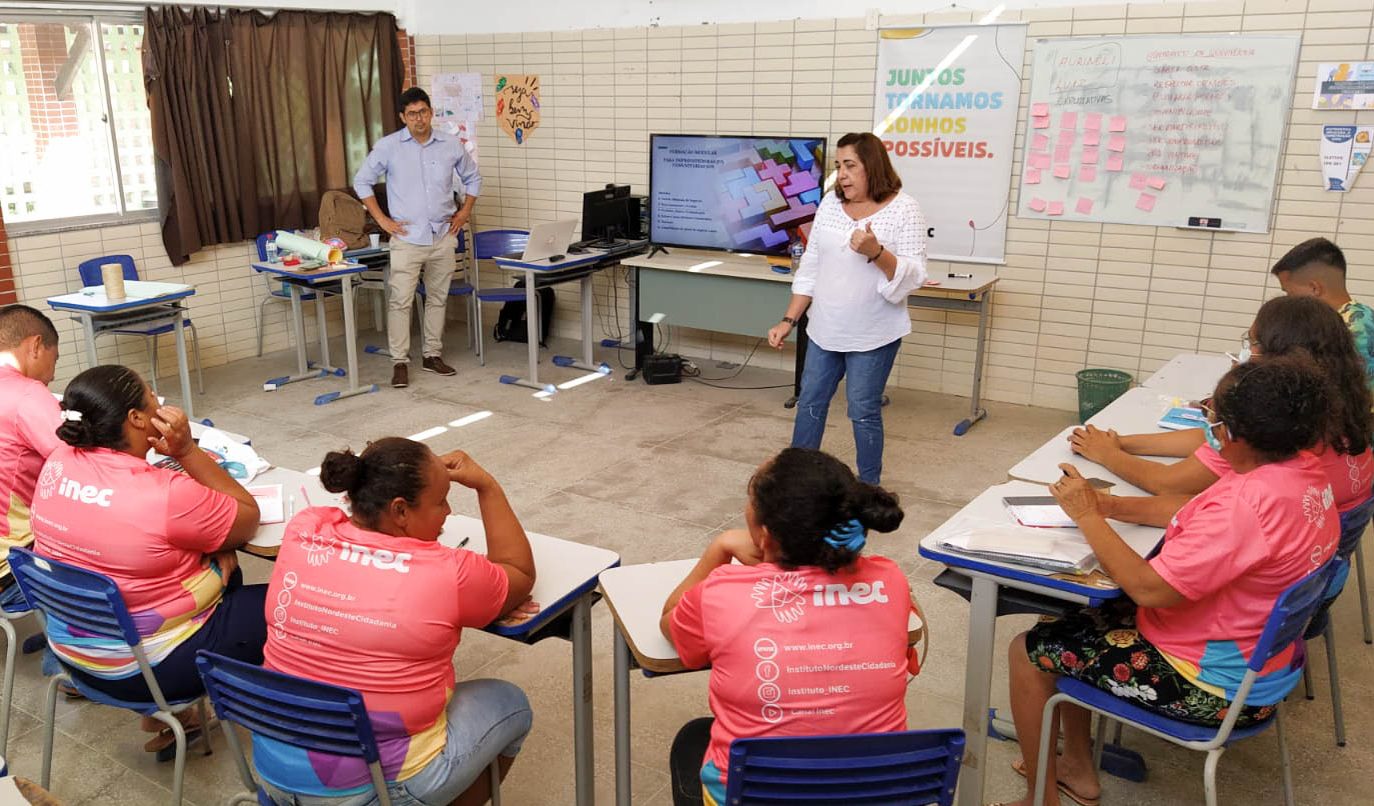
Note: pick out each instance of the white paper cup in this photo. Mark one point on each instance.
(112, 275)
(375, 240)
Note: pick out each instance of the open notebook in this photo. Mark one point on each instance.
(1048, 550)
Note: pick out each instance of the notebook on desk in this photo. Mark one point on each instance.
(1039, 549)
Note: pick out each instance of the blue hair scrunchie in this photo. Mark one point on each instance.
(850, 535)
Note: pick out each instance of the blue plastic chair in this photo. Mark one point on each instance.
(912, 767)
(302, 713)
(276, 291)
(89, 271)
(1292, 612)
(1353, 524)
(487, 245)
(92, 603)
(8, 615)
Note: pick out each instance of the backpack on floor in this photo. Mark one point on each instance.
(511, 323)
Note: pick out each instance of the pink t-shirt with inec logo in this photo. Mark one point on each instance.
(1351, 477)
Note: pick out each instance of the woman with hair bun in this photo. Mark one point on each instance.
(370, 600)
(775, 628)
(167, 539)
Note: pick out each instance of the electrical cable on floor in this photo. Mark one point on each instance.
(695, 374)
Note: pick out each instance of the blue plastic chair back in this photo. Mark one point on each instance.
(462, 242)
(1292, 612)
(261, 243)
(910, 767)
(303, 713)
(495, 242)
(84, 600)
(90, 269)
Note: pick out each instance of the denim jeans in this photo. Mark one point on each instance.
(867, 376)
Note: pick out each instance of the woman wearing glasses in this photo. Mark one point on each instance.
(1178, 642)
(1284, 325)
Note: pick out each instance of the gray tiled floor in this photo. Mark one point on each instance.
(652, 473)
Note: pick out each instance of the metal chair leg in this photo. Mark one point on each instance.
(1209, 775)
(495, 781)
(195, 353)
(1307, 677)
(1364, 593)
(179, 765)
(11, 655)
(1100, 740)
(1284, 764)
(49, 727)
(1337, 712)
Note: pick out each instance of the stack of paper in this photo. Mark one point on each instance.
(1054, 550)
(1181, 418)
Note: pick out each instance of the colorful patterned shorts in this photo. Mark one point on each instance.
(1102, 648)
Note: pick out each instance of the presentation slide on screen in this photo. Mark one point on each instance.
(748, 194)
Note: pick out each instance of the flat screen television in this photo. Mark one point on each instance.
(736, 193)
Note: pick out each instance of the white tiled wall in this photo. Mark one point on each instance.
(1072, 295)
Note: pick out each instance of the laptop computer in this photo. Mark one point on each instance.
(546, 240)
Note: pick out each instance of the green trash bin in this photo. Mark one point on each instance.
(1097, 388)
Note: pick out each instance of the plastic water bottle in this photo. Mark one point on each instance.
(271, 249)
(797, 249)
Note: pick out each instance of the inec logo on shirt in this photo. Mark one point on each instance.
(47, 480)
(319, 550)
(785, 595)
(1315, 504)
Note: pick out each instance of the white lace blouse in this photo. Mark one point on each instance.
(854, 307)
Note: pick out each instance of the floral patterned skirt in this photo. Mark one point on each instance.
(1102, 648)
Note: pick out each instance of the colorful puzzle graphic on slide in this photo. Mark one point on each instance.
(768, 189)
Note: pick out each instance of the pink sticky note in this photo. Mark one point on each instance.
(1038, 205)
(1068, 120)
(1089, 156)
(1146, 202)
(1092, 121)
(1039, 159)
(1040, 143)
(1084, 206)
(1117, 124)
(1137, 181)
(1061, 171)
(1055, 208)
(1032, 176)
(1117, 143)
(1040, 110)
(1092, 137)
(1062, 152)
(1156, 182)
(1114, 162)
(1087, 174)
(1067, 137)
(1041, 122)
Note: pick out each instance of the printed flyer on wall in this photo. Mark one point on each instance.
(1344, 152)
(1348, 85)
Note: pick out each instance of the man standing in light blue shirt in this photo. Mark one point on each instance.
(419, 165)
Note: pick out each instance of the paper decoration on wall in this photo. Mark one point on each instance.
(1344, 152)
(456, 95)
(517, 104)
(1344, 86)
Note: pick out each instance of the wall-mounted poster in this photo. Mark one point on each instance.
(1344, 152)
(517, 104)
(1344, 85)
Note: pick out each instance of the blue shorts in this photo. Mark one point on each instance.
(486, 719)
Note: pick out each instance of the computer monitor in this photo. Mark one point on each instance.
(610, 213)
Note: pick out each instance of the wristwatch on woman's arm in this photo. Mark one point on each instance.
(789, 320)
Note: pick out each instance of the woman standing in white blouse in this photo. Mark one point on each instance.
(866, 254)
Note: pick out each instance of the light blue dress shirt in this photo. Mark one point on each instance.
(419, 181)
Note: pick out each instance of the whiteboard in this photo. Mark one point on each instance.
(1188, 129)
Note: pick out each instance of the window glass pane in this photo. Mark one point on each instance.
(134, 133)
(61, 141)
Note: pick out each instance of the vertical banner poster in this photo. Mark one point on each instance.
(1345, 149)
(517, 105)
(945, 105)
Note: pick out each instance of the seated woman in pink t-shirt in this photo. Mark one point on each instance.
(805, 635)
(1282, 326)
(1179, 641)
(167, 539)
(372, 601)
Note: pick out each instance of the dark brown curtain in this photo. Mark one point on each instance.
(298, 100)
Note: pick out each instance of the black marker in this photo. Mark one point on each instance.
(961, 276)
